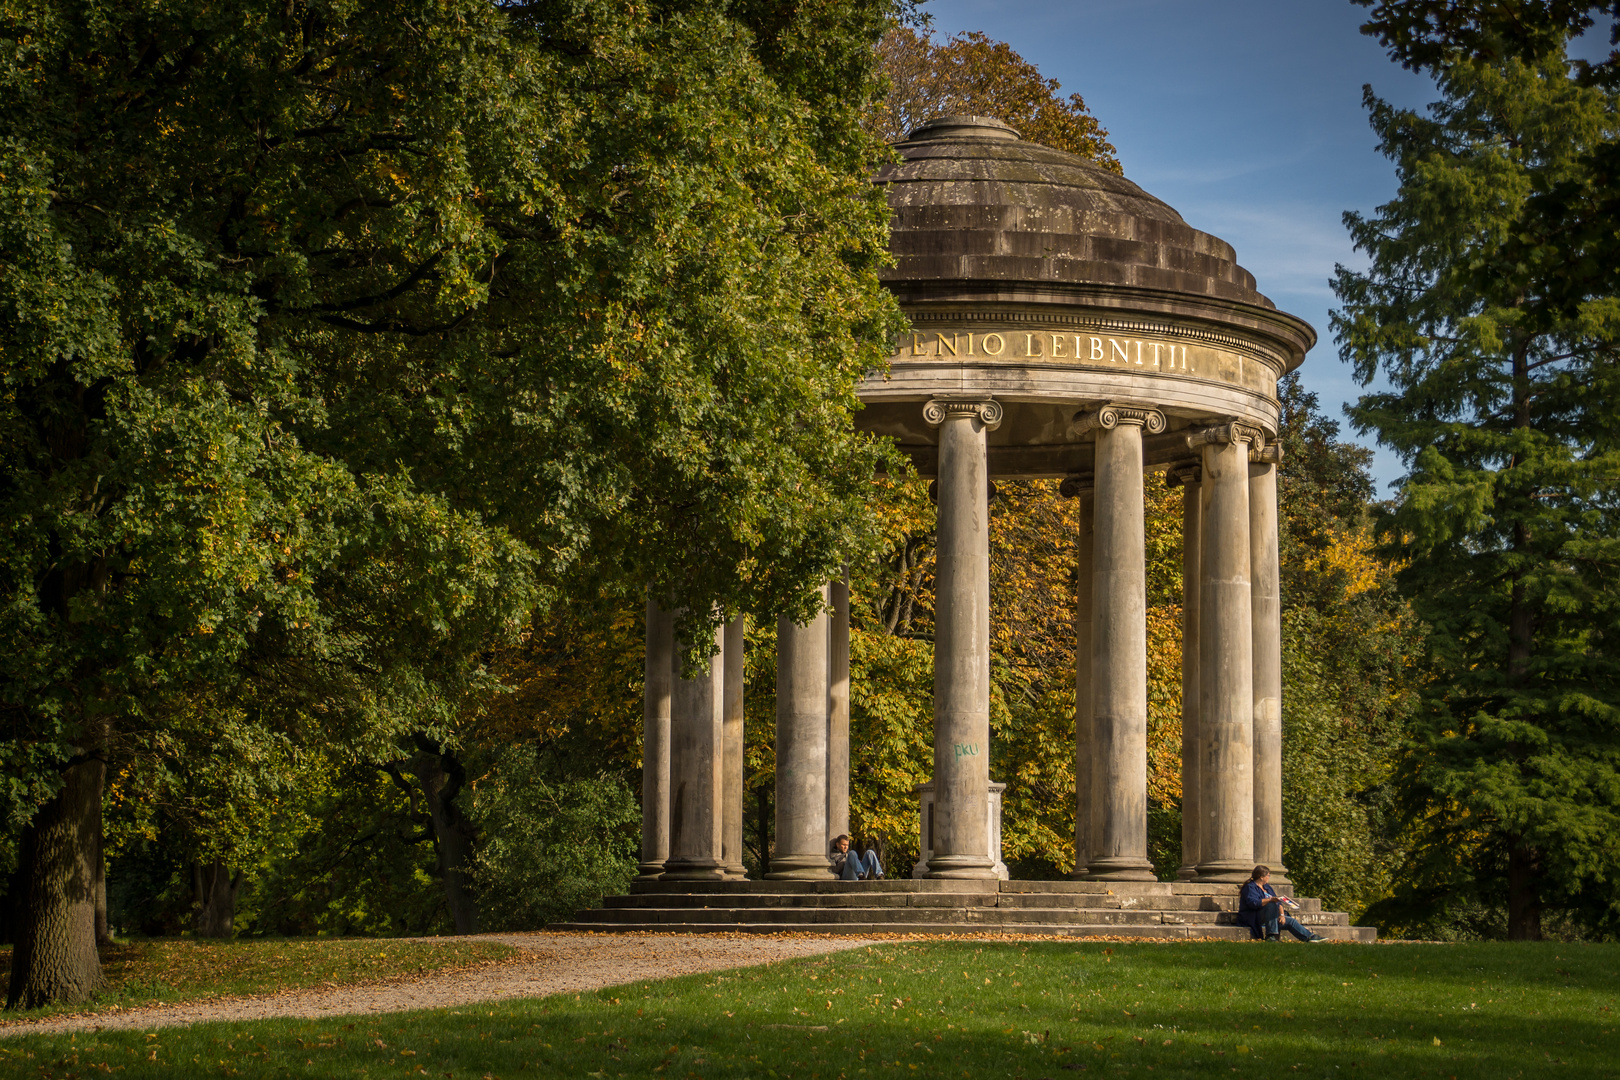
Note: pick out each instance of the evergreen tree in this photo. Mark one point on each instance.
(1504, 392)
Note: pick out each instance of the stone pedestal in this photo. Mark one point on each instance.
(925, 829)
(962, 639)
(1225, 668)
(655, 744)
(1119, 649)
(802, 670)
(696, 736)
(731, 811)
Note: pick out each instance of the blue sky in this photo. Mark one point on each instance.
(1245, 115)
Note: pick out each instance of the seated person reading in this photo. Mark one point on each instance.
(853, 865)
(1260, 909)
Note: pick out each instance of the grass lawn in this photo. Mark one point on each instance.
(140, 972)
(964, 1009)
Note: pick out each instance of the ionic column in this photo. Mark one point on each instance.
(962, 641)
(801, 749)
(1192, 534)
(1225, 659)
(1266, 605)
(731, 809)
(1119, 648)
(655, 744)
(838, 711)
(696, 741)
(1081, 488)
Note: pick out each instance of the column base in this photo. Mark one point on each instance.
(736, 873)
(693, 870)
(800, 868)
(1121, 868)
(961, 867)
(1279, 876)
(1187, 872)
(1225, 870)
(649, 871)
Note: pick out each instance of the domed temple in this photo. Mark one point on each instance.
(1065, 325)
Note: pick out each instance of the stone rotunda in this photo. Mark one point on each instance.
(1065, 325)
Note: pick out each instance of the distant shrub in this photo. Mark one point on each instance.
(550, 847)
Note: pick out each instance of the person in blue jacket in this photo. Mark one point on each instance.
(853, 865)
(1261, 910)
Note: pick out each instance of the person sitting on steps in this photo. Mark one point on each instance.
(1260, 909)
(853, 865)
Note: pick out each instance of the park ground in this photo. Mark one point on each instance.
(948, 1009)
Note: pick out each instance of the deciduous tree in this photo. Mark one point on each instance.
(336, 337)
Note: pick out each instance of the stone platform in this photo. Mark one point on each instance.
(1147, 909)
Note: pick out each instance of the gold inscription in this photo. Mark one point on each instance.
(1163, 356)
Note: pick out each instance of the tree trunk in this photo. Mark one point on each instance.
(1524, 902)
(762, 827)
(214, 889)
(55, 960)
(103, 931)
(442, 776)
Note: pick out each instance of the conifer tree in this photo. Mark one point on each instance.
(1503, 392)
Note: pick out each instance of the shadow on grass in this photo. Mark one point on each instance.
(969, 1010)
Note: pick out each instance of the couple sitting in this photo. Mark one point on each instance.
(1260, 909)
(854, 865)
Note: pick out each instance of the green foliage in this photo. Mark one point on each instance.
(1349, 643)
(551, 846)
(338, 338)
(366, 868)
(1503, 393)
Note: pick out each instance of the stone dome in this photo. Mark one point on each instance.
(1051, 286)
(971, 200)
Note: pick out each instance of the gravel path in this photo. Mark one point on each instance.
(561, 963)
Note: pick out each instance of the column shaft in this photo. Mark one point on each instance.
(1266, 604)
(1192, 535)
(962, 643)
(655, 744)
(696, 737)
(1225, 669)
(731, 813)
(801, 749)
(1119, 660)
(838, 712)
(1083, 850)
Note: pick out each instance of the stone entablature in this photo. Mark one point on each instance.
(1105, 345)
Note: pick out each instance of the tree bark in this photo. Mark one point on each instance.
(55, 960)
(214, 889)
(1524, 902)
(103, 931)
(442, 777)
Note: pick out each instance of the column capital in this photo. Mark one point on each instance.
(988, 411)
(1234, 432)
(1077, 484)
(1269, 454)
(1111, 416)
(1188, 475)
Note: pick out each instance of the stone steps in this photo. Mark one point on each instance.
(1148, 909)
(908, 916)
(860, 897)
(1148, 932)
